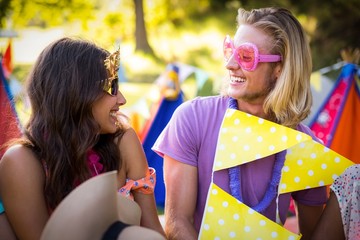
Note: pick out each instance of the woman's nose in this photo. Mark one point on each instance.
(121, 100)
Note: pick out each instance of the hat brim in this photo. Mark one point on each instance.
(90, 209)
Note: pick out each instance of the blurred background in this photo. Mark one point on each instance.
(178, 41)
(153, 33)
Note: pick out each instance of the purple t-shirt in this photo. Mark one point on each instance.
(191, 138)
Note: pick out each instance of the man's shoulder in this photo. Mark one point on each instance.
(208, 101)
(305, 129)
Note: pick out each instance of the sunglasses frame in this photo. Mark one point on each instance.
(257, 57)
(109, 86)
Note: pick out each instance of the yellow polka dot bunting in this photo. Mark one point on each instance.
(244, 138)
(311, 164)
(238, 222)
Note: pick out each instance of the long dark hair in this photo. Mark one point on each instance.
(62, 87)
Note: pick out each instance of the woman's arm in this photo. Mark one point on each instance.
(6, 231)
(22, 180)
(134, 160)
(330, 224)
(308, 217)
(181, 195)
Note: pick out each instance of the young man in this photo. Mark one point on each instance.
(269, 65)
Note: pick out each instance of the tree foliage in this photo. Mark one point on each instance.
(332, 24)
(336, 23)
(47, 13)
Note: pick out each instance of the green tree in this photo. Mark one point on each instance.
(4, 8)
(142, 43)
(336, 23)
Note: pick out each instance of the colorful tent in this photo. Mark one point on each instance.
(172, 98)
(162, 117)
(9, 123)
(337, 121)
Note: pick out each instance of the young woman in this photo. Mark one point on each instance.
(75, 132)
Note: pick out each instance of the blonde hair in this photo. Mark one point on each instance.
(290, 100)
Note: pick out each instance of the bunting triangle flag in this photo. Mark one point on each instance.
(7, 60)
(227, 218)
(309, 165)
(259, 138)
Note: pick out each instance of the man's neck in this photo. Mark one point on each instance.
(255, 109)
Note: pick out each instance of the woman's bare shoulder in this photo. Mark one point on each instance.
(130, 133)
(132, 154)
(20, 159)
(18, 151)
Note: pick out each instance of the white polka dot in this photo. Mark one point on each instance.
(236, 121)
(289, 151)
(247, 229)
(249, 115)
(258, 156)
(222, 147)
(298, 137)
(206, 226)
(291, 238)
(326, 149)
(283, 186)
(284, 138)
(262, 223)
(217, 238)
(272, 129)
(261, 121)
(286, 168)
(235, 138)
(210, 209)
(302, 145)
(232, 234)
(221, 222)
(334, 176)
(233, 156)
(300, 162)
(251, 211)
(337, 159)
(219, 163)
(321, 183)
(271, 148)
(296, 179)
(310, 172)
(246, 147)
(274, 234)
(323, 166)
(259, 138)
(248, 130)
(214, 191)
(224, 130)
(236, 216)
(307, 187)
(225, 204)
(313, 155)
(258, 238)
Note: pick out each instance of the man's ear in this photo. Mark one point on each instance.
(277, 70)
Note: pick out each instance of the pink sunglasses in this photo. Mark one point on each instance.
(246, 55)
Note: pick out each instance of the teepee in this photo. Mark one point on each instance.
(337, 121)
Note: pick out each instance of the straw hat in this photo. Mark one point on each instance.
(88, 211)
